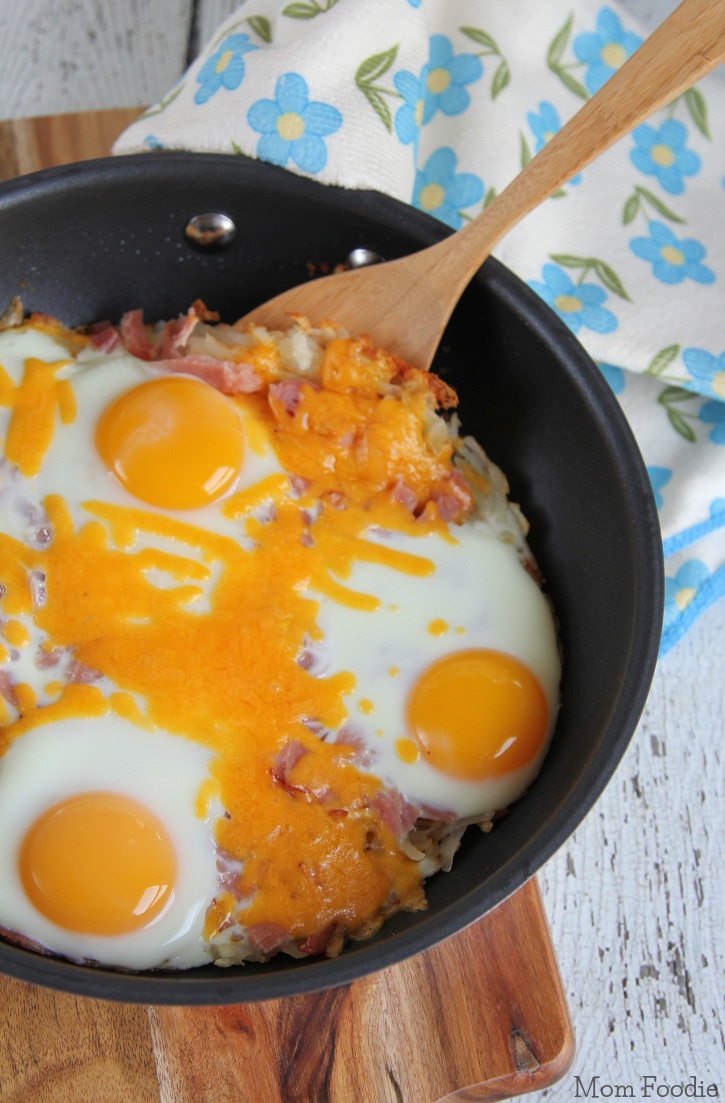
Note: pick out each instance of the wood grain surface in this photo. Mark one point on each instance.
(481, 1017)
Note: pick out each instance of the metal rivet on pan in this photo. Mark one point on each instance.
(214, 229)
(360, 258)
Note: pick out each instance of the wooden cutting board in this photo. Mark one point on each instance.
(481, 1017)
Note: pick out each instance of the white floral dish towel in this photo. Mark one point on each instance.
(439, 103)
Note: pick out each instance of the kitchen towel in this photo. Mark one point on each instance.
(440, 103)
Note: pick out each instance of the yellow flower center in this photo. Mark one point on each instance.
(718, 384)
(671, 255)
(567, 304)
(431, 197)
(662, 155)
(548, 135)
(223, 61)
(419, 113)
(613, 55)
(683, 597)
(290, 126)
(438, 81)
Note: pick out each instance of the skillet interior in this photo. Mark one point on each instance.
(92, 240)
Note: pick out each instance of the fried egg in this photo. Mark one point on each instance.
(111, 429)
(105, 856)
(456, 675)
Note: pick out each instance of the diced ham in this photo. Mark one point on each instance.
(395, 811)
(135, 336)
(7, 689)
(449, 507)
(285, 761)
(226, 376)
(287, 394)
(229, 870)
(47, 659)
(80, 674)
(106, 339)
(267, 937)
(438, 815)
(456, 499)
(349, 736)
(175, 335)
(319, 942)
(403, 494)
(289, 756)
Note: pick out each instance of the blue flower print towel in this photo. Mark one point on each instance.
(440, 104)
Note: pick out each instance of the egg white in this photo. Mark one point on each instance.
(488, 600)
(162, 772)
(72, 466)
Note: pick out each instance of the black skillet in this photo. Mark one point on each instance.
(90, 241)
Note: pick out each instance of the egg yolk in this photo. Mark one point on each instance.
(98, 863)
(478, 714)
(174, 442)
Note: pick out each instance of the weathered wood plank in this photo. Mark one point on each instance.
(63, 56)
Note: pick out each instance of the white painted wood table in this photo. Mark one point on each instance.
(635, 898)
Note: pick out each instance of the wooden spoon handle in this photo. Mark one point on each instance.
(684, 48)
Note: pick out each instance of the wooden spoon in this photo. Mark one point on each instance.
(404, 305)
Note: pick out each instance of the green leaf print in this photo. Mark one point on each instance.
(502, 74)
(639, 201)
(631, 207)
(697, 106)
(482, 38)
(162, 104)
(610, 279)
(526, 153)
(371, 70)
(261, 27)
(376, 66)
(308, 10)
(554, 56)
(603, 271)
(559, 43)
(662, 360)
(679, 419)
(489, 197)
(501, 78)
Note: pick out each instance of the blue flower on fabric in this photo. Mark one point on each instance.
(225, 68)
(576, 304)
(151, 142)
(680, 590)
(445, 77)
(441, 191)
(663, 153)
(659, 477)
(544, 126)
(672, 259)
(414, 3)
(614, 376)
(707, 370)
(440, 87)
(713, 413)
(606, 50)
(409, 116)
(293, 126)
